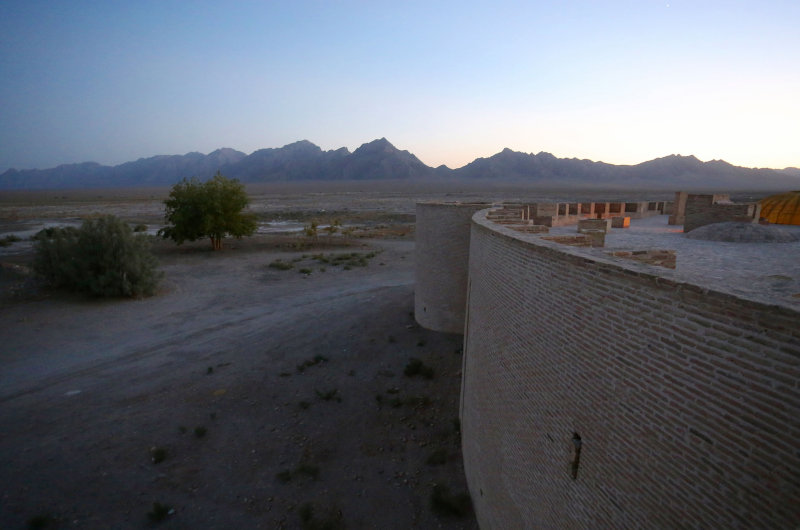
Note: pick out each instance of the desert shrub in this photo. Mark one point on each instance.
(330, 520)
(447, 504)
(140, 228)
(417, 367)
(11, 238)
(51, 232)
(329, 395)
(280, 265)
(102, 258)
(311, 229)
(437, 458)
(38, 522)
(159, 512)
(158, 454)
(303, 469)
(309, 470)
(317, 359)
(347, 260)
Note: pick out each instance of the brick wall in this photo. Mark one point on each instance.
(686, 401)
(702, 210)
(442, 252)
(678, 214)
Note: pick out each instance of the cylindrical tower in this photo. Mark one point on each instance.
(442, 255)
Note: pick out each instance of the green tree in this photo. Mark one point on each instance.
(211, 209)
(102, 258)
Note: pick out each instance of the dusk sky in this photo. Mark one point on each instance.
(622, 82)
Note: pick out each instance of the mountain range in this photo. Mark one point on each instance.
(380, 160)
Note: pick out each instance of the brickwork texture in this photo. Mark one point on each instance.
(600, 393)
(442, 255)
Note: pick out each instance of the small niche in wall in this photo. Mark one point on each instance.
(577, 443)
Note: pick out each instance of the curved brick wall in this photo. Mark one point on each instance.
(442, 252)
(687, 402)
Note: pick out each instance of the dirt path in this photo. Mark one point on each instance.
(88, 388)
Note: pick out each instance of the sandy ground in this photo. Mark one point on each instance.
(90, 387)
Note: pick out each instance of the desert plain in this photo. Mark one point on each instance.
(263, 386)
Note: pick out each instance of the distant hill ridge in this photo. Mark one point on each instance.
(380, 160)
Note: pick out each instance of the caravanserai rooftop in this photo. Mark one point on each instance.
(757, 269)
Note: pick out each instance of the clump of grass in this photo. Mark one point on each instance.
(182, 429)
(310, 521)
(140, 228)
(417, 367)
(209, 370)
(304, 405)
(411, 401)
(418, 401)
(38, 522)
(159, 512)
(200, 431)
(346, 260)
(421, 343)
(308, 470)
(329, 395)
(280, 265)
(317, 359)
(392, 339)
(306, 512)
(305, 271)
(447, 504)
(302, 469)
(437, 458)
(158, 454)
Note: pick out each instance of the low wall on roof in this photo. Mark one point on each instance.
(442, 254)
(701, 210)
(603, 393)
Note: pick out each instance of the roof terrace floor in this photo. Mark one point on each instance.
(765, 272)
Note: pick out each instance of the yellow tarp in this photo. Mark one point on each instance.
(782, 209)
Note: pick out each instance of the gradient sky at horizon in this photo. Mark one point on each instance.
(617, 81)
